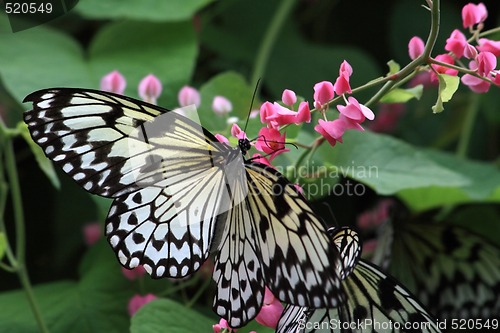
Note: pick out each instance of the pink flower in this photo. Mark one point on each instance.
(282, 116)
(470, 52)
(137, 301)
(150, 89)
(91, 233)
(496, 78)
(342, 85)
(288, 97)
(221, 138)
(113, 82)
(223, 324)
(323, 93)
(188, 96)
(350, 124)
(473, 14)
(456, 43)
(388, 117)
(486, 62)
(446, 58)
(332, 131)
(345, 67)
(355, 111)
(261, 159)
(488, 45)
(238, 133)
(271, 310)
(475, 84)
(221, 105)
(415, 47)
(373, 218)
(266, 110)
(423, 78)
(134, 273)
(271, 142)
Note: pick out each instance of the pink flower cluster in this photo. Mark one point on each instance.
(275, 115)
(482, 57)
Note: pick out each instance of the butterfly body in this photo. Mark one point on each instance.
(179, 195)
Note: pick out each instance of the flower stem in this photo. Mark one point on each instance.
(422, 59)
(470, 118)
(18, 262)
(270, 36)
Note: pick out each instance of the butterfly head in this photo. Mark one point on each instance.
(244, 145)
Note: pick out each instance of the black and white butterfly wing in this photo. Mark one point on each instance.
(455, 272)
(178, 194)
(375, 303)
(166, 173)
(281, 244)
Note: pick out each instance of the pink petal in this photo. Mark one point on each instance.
(304, 113)
(221, 105)
(342, 85)
(415, 47)
(486, 63)
(189, 96)
(113, 82)
(489, 45)
(288, 97)
(150, 88)
(137, 301)
(91, 233)
(323, 92)
(266, 110)
(221, 138)
(346, 68)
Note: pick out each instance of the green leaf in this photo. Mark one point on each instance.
(134, 48)
(138, 48)
(403, 95)
(97, 303)
(3, 244)
(448, 84)
(386, 164)
(483, 184)
(147, 10)
(394, 67)
(234, 87)
(28, 64)
(159, 314)
(43, 162)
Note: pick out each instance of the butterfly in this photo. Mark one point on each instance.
(180, 195)
(453, 271)
(375, 302)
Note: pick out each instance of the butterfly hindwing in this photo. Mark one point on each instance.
(375, 302)
(454, 271)
(284, 246)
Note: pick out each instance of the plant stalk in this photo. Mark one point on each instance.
(20, 268)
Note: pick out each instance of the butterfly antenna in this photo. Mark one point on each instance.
(251, 103)
(329, 208)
